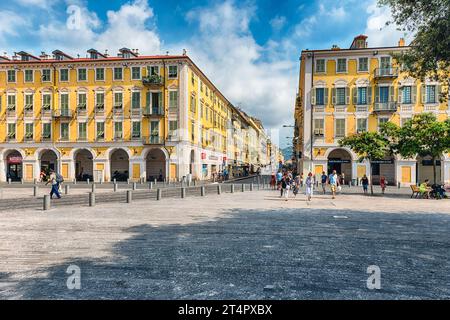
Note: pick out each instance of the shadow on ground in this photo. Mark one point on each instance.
(273, 254)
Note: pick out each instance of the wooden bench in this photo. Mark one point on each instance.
(415, 190)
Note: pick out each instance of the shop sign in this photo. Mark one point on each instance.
(382, 161)
(14, 160)
(203, 155)
(338, 161)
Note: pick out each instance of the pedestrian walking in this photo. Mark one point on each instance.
(286, 186)
(273, 182)
(323, 180)
(365, 183)
(383, 184)
(279, 178)
(53, 179)
(333, 180)
(309, 186)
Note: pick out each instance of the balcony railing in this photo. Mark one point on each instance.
(153, 111)
(28, 111)
(385, 106)
(11, 110)
(152, 140)
(319, 108)
(362, 108)
(62, 113)
(153, 80)
(386, 72)
(136, 111)
(46, 110)
(46, 137)
(99, 109)
(340, 108)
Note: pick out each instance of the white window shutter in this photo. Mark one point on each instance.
(377, 94)
(355, 95)
(325, 94)
(313, 96)
(391, 94)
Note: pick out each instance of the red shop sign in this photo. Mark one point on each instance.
(15, 160)
(203, 155)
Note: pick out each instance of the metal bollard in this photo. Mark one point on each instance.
(195, 183)
(189, 184)
(129, 196)
(349, 184)
(35, 181)
(251, 186)
(115, 187)
(155, 181)
(114, 180)
(398, 184)
(66, 189)
(150, 185)
(21, 181)
(74, 181)
(128, 181)
(134, 186)
(219, 189)
(9, 180)
(183, 193)
(87, 180)
(93, 187)
(243, 187)
(91, 199)
(158, 194)
(35, 191)
(46, 202)
(232, 188)
(202, 191)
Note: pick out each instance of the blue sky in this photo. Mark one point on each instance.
(249, 49)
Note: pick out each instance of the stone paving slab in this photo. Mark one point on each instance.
(233, 246)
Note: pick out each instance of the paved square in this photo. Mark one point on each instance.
(232, 246)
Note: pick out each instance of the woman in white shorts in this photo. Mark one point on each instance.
(309, 182)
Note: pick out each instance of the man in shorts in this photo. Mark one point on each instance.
(333, 180)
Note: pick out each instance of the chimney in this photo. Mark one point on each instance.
(335, 47)
(401, 42)
(184, 52)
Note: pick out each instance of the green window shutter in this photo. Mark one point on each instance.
(377, 94)
(438, 93)
(355, 95)
(333, 96)
(422, 93)
(369, 95)
(325, 93)
(400, 95)
(147, 98)
(413, 94)
(347, 95)
(160, 99)
(391, 94)
(313, 96)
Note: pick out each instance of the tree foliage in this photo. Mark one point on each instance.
(429, 22)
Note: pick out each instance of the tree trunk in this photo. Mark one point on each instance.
(370, 180)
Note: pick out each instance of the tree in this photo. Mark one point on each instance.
(429, 22)
(423, 135)
(369, 146)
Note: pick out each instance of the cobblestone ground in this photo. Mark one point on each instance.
(232, 246)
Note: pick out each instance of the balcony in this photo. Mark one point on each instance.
(385, 106)
(385, 73)
(173, 138)
(153, 80)
(318, 108)
(81, 109)
(11, 110)
(28, 137)
(406, 108)
(28, 111)
(362, 108)
(340, 108)
(431, 107)
(46, 137)
(136, 112)
(151, 140)
(99, 109)
(118, 109)
(11, 137)
(46, 111)
(62, 113)
(153, 111)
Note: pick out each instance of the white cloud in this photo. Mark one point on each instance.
(243, 70)
(379, 34)
(278, 23)
(126, 27)
(36, 3)
(10, 24)
(334, 13)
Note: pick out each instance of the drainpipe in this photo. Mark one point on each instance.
(312, 113)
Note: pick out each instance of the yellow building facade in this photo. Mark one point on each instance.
(109, 118)
(345, 91)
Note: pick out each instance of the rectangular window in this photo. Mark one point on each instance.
(154, 128)
(29, 129)
(319, 127)
(28, 75)
(173, 72)
(135, 73)
(320, 65)
(362, 96)
(46, 101)
(406, 98)
(173, 99)
(11, 102)
(320, 96)
(100, 130)
(431, 94)
(46, 130)
(100, 74)
(153, 71)
(28, 102)
(136, 130)
(382, 121)
(46, 75)
(135, 100)
(340, 96)
(118, 100)
(64, 131)
(340, 128)
(384, 94)
(173, 127)
(363, 64)
(192, 104)
(118, 130)
(100, 100)
(11, 75)
(341, 65)
(11, 130)
(82, 131)
(64, 101)
(82, 74)
(118, 73)
(361, 125)
(64, 75)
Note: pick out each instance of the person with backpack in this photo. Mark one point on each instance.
(55, 179)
